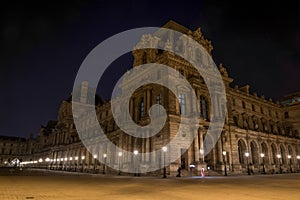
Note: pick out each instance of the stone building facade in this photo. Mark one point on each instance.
(15, 147)
(259, 135)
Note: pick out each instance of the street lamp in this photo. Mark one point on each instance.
(120, 154)
(224, 160)
(248, 169)
(135, 152)
(165, 170)
(76, 158)
(104, 156)
(298, 158)
(279, 156)
(202, 156)
(71, 164)
(262, 155)
(82, 158)
(289, 157)
(95, 160)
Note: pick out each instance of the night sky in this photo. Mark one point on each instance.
(43, 43)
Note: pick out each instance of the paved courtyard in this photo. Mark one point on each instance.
(57, 185)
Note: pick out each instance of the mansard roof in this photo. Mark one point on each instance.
(11, 138)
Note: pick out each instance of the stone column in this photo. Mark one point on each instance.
(220, 155)
(147, 140)
(196, 146)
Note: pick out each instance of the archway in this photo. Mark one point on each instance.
(254, 153)
(242, 149)
(274, 154)
(283, 154)
(264, 150)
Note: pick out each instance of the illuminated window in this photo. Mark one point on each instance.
(182, 104)
(142, 108)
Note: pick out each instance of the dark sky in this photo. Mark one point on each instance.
(42, 45)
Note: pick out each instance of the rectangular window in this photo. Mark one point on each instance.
(233, 101)
(243, 104)
(142, 108)
(182, 104)
(253, 107)
(286, 115)
(261, 110)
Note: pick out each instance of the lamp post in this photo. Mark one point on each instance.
(48, 161)
(104, 156)
(279, 156)
(290, 160)
(40, 161)
(65, 164)
(95, 160)
(135, 152)
(298, 158)
(51, 163)
(82, 158)
(202, 157)
(262, 155)
(165, 170)
(119, 154)
(224, 160)
(61, 163)
(248, 169)
(76, 158)
(70, 164)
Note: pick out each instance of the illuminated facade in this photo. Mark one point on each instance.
(259, 135)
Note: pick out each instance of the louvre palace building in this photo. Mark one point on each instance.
(259, 135)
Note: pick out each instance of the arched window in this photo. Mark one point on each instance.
(274, 154)
(290, 150)
(254, 152)
(142, 108)
(264, 150)
(242, 151)
(182, 104)
(283, 155)
(203, 107)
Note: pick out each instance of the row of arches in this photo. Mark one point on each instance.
(272, 154)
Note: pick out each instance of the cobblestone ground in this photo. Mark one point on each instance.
(57, 185)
